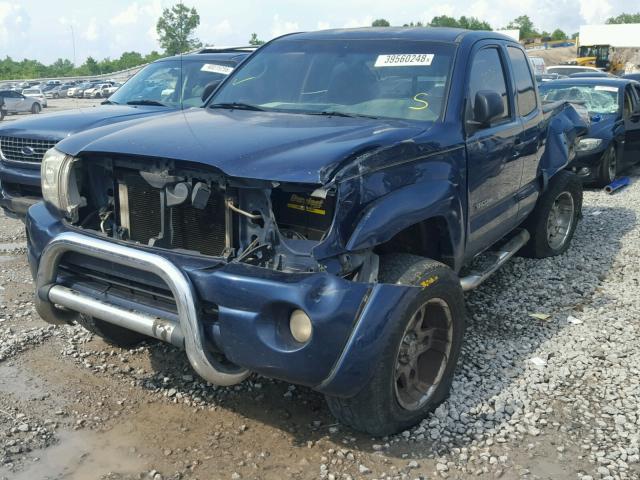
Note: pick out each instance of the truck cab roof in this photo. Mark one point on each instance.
(428, 34)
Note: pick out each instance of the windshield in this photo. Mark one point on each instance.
(597, 99)
(172, 82)
(31, 92)
(390, 78)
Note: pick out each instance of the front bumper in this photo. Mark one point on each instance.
(14, 179)
(252, 305)
(587, 164)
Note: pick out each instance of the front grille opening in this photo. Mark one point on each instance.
(186, 227)
(137, 286)
(17, 149)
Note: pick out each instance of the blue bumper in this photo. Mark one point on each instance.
(14, 179)
(350, 320)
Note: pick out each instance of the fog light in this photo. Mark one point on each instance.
(300, 326)
(584, 171)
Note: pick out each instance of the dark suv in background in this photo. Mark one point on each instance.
(164, 86)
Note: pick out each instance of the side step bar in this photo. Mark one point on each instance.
(507, 251)
(49, 295)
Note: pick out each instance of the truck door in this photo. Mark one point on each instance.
(529, 142)
(631, 114)
(494, 164)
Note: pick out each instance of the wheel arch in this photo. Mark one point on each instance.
(408, 220)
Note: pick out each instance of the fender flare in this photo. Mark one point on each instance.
(407, 206)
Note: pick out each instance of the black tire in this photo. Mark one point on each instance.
(544, 242)
(35, 108)
(377, 409)
(608, 169)
(112, 334)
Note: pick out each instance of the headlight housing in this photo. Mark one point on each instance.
(59, 183)
(587, 144)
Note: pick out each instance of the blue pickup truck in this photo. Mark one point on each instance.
(318, 220)
(166, 85)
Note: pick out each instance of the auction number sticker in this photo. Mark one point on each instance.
(213, 68)
(606, 88)
(404, 60)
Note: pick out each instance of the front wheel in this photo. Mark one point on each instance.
(608, 169)
(416, 367)
(554, 219)
(35, 108)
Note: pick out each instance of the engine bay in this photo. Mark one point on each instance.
(159, 204)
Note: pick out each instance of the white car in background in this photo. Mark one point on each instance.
(37, 94)
(111, 90)
(98, 91)
(15, 102)
(569, 69)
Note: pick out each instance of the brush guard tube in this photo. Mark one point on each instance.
(48, 295)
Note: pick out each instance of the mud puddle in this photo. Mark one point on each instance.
(80, 455)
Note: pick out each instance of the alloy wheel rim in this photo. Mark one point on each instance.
(560, 220)
(424, 354)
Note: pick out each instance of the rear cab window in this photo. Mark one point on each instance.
(526, 92)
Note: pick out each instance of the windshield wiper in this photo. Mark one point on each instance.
(147, 102)
(109, 102)
(330, 113)
(237, 106)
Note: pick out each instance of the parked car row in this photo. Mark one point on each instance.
(58, 89)
(315, 217)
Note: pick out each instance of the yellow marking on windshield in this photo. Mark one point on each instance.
(418, 99)
(238, 82)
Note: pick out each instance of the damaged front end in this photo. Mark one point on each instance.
(220, 266)
(158, 203)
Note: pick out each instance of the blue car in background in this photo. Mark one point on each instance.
(164, 86)
(613, 141)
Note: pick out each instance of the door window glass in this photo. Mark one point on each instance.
(487, 73)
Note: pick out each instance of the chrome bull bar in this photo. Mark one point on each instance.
(189, 331)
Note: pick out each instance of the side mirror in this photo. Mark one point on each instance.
(488, 106)
(209, 89)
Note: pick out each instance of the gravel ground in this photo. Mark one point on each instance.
(555, 396)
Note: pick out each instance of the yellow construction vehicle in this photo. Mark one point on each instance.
(599, 56)
(606, 46)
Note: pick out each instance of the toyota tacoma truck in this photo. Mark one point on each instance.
(319, 220)
(166, 85)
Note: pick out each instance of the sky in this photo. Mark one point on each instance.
(42, 30)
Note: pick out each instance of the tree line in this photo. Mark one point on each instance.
(522, 23)
(176, 30)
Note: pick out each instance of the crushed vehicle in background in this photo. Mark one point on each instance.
(23, 143)
(312, 222)
(613, 140)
